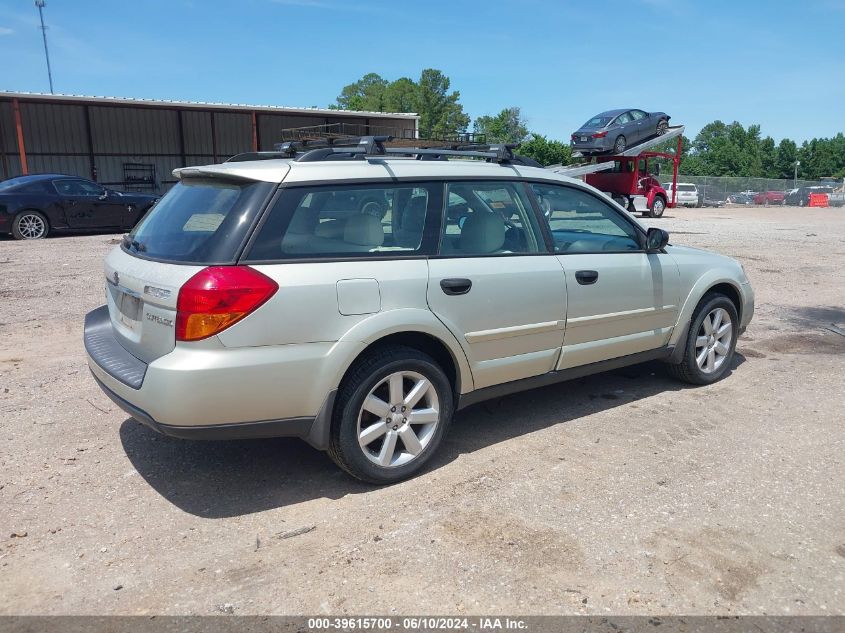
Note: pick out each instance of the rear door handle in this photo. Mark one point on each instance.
(456, 286)
(587, 277)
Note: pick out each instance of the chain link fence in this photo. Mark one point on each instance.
(729, 189)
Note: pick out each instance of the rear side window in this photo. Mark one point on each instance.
(350, 221)
(489, 218)
(200, 221)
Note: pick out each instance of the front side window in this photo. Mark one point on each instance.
(623, 118)
(78, 188)
(489, 218)
(637, 114)
(582, 223)
(348, 221)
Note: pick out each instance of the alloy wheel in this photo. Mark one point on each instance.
(661, 128)
(398, 419)
(713, 342)
(31, 226)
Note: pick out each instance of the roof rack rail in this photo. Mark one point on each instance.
(371, 146)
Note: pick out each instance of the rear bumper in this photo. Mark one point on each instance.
(314, 430)
(225, 393)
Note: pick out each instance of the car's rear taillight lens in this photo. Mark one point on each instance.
(574, 137)
(217, 297)
(600, 134)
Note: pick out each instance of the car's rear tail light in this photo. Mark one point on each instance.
(217, 297)
(574, 137)
(600, 134)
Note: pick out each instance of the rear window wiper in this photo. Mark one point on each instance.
(128, 242)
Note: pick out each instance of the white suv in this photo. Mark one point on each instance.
(687, 195)
(247, 303)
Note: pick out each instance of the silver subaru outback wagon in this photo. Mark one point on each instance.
(249, 304)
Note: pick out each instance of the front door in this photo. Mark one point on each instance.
(87, 205)
(621, 300)
(495, 285)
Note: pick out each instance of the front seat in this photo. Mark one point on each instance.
(482, 232)
(410, 229)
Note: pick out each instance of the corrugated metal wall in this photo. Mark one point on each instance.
(99, 141)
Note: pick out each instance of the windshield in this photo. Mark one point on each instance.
(199, 221)
(597, 121)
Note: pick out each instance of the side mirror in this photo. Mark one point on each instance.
(656, 239)
(104, 195)
(655, 169)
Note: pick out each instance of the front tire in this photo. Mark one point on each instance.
(711, 342)
(30, 225)
(391, 413)
(658, 206)
(662, 127)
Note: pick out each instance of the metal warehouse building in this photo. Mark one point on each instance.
(134, 144)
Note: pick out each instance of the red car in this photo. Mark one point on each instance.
(770, 197)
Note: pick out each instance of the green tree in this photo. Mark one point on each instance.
(769, 158)
(506, 127)
(365, 94)
(401, 96)
(787, 154)
(441, 115)
(544, 151)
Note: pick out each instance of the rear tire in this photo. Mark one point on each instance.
(30, 225)
(372, 437)
(707, 353)
(619, 144)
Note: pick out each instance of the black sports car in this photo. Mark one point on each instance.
(32, 206)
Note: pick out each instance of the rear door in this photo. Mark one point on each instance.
(621, 300)
(641, 125)
(625, 126)
(495, 285)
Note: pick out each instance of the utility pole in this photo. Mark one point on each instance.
(40, 4)
(795, 179)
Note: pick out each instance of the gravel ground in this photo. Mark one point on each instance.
(623, 493)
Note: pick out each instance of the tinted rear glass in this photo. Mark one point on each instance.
(16, 183)
(686, 187)
(200, 221)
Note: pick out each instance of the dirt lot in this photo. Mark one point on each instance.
(624, 493)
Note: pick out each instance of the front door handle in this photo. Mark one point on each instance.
(587, 277)
(456, 286)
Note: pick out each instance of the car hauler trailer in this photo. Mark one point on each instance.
(630, 178)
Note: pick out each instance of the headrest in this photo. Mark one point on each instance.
(414, 216)
(364, 230)
(482, 232)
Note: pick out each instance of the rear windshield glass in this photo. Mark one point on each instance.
(12, 183)
(686, 187)
(199, 221)
(597, 121)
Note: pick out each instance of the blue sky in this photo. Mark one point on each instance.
(779, 63)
